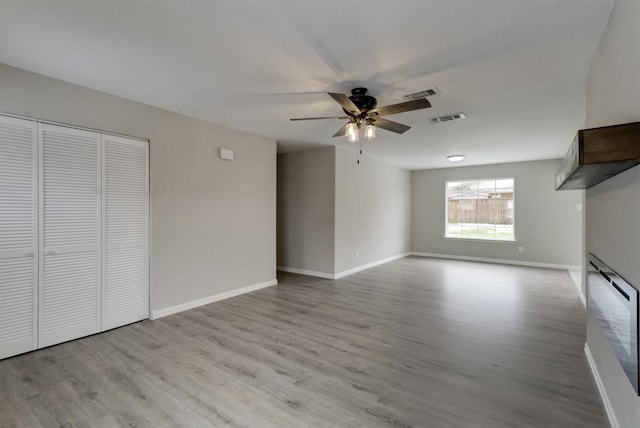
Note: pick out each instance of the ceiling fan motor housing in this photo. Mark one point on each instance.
(363, 101)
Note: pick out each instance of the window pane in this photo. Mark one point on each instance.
(469, 230)
(454, 230)
(480, 209)
(487, 186)
(504, 185)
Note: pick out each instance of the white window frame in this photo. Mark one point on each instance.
(446, 211)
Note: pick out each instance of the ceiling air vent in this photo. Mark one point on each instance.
(448, 118)
(421, 94)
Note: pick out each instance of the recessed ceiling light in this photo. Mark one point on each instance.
(455, 158)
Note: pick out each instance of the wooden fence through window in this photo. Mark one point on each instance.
(489, 211)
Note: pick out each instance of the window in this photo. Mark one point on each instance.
(480, 209)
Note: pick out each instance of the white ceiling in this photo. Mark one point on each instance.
(516, 68)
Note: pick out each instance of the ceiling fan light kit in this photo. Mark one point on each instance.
(369, 132)
(352, 132)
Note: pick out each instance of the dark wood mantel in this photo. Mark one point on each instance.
(597, 154)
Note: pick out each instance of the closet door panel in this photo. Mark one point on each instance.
(126, 231)
(18, 236)
(70, 220)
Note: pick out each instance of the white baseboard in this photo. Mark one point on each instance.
(499, 261)
(306, 272)
(344, 273)
(603, 392)
(210, 299)
(370, 265)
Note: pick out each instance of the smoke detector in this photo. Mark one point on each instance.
(448, 118)
(422, 94)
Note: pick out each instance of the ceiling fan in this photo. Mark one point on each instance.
(362, 113)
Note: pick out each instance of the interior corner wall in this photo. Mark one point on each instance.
(372, 212)
(213, 222)
(547, 223)
(306, 199)
(613, 206)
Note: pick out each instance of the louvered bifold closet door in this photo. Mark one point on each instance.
(125, 269)
(18, 236)
(70, 250)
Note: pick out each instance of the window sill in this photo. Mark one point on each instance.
(494, 241)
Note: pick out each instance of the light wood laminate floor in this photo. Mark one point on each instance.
(416, 342)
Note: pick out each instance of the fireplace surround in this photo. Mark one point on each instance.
(613, 302)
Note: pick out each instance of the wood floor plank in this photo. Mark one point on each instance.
(416, 342)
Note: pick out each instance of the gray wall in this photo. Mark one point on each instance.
(213, 221)
(329, 207)
(547, 223)
(613, 207)
(373, 208)
(306, 206)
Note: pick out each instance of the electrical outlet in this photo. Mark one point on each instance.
(357, 254)
(579, 207)
(521, 249)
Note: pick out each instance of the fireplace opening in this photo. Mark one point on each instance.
(614, 304)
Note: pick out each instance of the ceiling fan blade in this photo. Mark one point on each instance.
(342, 131)
(318, 118)
(389, 125)
(401, 107)
(346, 103)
